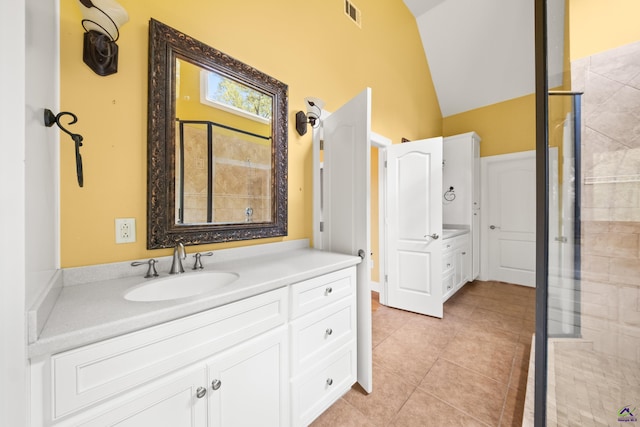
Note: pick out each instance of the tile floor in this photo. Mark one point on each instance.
(467, 369)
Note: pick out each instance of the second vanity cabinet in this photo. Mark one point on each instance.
(279, 358)
(456, 264)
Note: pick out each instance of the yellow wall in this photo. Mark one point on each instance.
(505, 127)
(311, 46)
(597, 26)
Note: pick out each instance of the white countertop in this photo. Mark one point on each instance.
(448, 233)
(97, 310)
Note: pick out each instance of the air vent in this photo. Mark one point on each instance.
(353, 13)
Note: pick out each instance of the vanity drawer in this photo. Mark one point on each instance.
(321, 291)
(317, 334)
(95, 372)
(448, 285)
(314, 393)
(448, 263)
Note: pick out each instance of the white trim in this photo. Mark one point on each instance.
(375, 286)
(13, 360)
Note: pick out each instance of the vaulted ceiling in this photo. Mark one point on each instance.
(479, 52)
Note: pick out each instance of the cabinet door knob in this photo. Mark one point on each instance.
(329, 331)
(201, 392)
(215, 384)
(328, 290)
(464, 253)
(329, 381)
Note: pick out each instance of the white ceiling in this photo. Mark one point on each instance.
(480, 52)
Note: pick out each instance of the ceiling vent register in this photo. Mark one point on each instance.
(353, 13)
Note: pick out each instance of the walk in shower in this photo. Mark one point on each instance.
(587, 363)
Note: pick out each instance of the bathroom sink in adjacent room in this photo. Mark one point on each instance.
(181, 286)
(452, 232)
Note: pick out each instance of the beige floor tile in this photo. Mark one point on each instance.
(390, 392)
(504, 305)
(492, 319)
(342, 414)
(386, 321)
(513, 408)
(409, 352)
(466, 390)
(458, 308)
(479, 332)
(487, 358)
(446, 372)
(423, 409)
(520, 368)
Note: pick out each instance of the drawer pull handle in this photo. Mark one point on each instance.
(329, 331)
(328, 291)
(464, 253)
(329, 381)
(448, 265)
(201, 392)
(215, 384)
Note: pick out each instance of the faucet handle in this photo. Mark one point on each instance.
(151, 271)
(198, 264)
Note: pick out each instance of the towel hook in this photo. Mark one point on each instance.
(50, 119)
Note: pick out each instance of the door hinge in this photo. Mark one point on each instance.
(385, 163)
(322, 144)
(321, 226)
(386, 278)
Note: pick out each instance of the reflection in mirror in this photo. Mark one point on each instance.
(223, 145)
(217, 149)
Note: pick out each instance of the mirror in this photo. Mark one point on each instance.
(217, 145)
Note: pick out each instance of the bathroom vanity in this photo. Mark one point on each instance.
(456, 260)
(275, 347)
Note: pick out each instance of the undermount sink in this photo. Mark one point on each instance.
(181, 286)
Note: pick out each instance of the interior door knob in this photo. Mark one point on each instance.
(493, 227)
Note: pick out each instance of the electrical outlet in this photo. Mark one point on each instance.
(125, 230)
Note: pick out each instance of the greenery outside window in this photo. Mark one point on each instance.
(220, 92)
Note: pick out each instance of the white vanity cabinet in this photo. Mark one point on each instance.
(456, 264)
(279, 358)
(461, 170)
(323, 343)
(171, 369)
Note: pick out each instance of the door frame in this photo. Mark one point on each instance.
(378, 141)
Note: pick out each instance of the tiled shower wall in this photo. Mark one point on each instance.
(610, 286)
(241, 177)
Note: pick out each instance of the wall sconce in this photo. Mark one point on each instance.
(314, 110)
(101, 25)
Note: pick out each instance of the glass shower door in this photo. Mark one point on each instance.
(588, 297)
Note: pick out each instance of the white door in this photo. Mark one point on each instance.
(346, 204)
(414, 226)
(511, 188)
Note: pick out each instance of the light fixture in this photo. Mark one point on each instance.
(101, 20)
(314, 110)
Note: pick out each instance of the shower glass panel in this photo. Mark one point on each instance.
(593, 278)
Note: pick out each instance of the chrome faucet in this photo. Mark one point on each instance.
(179, 253)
